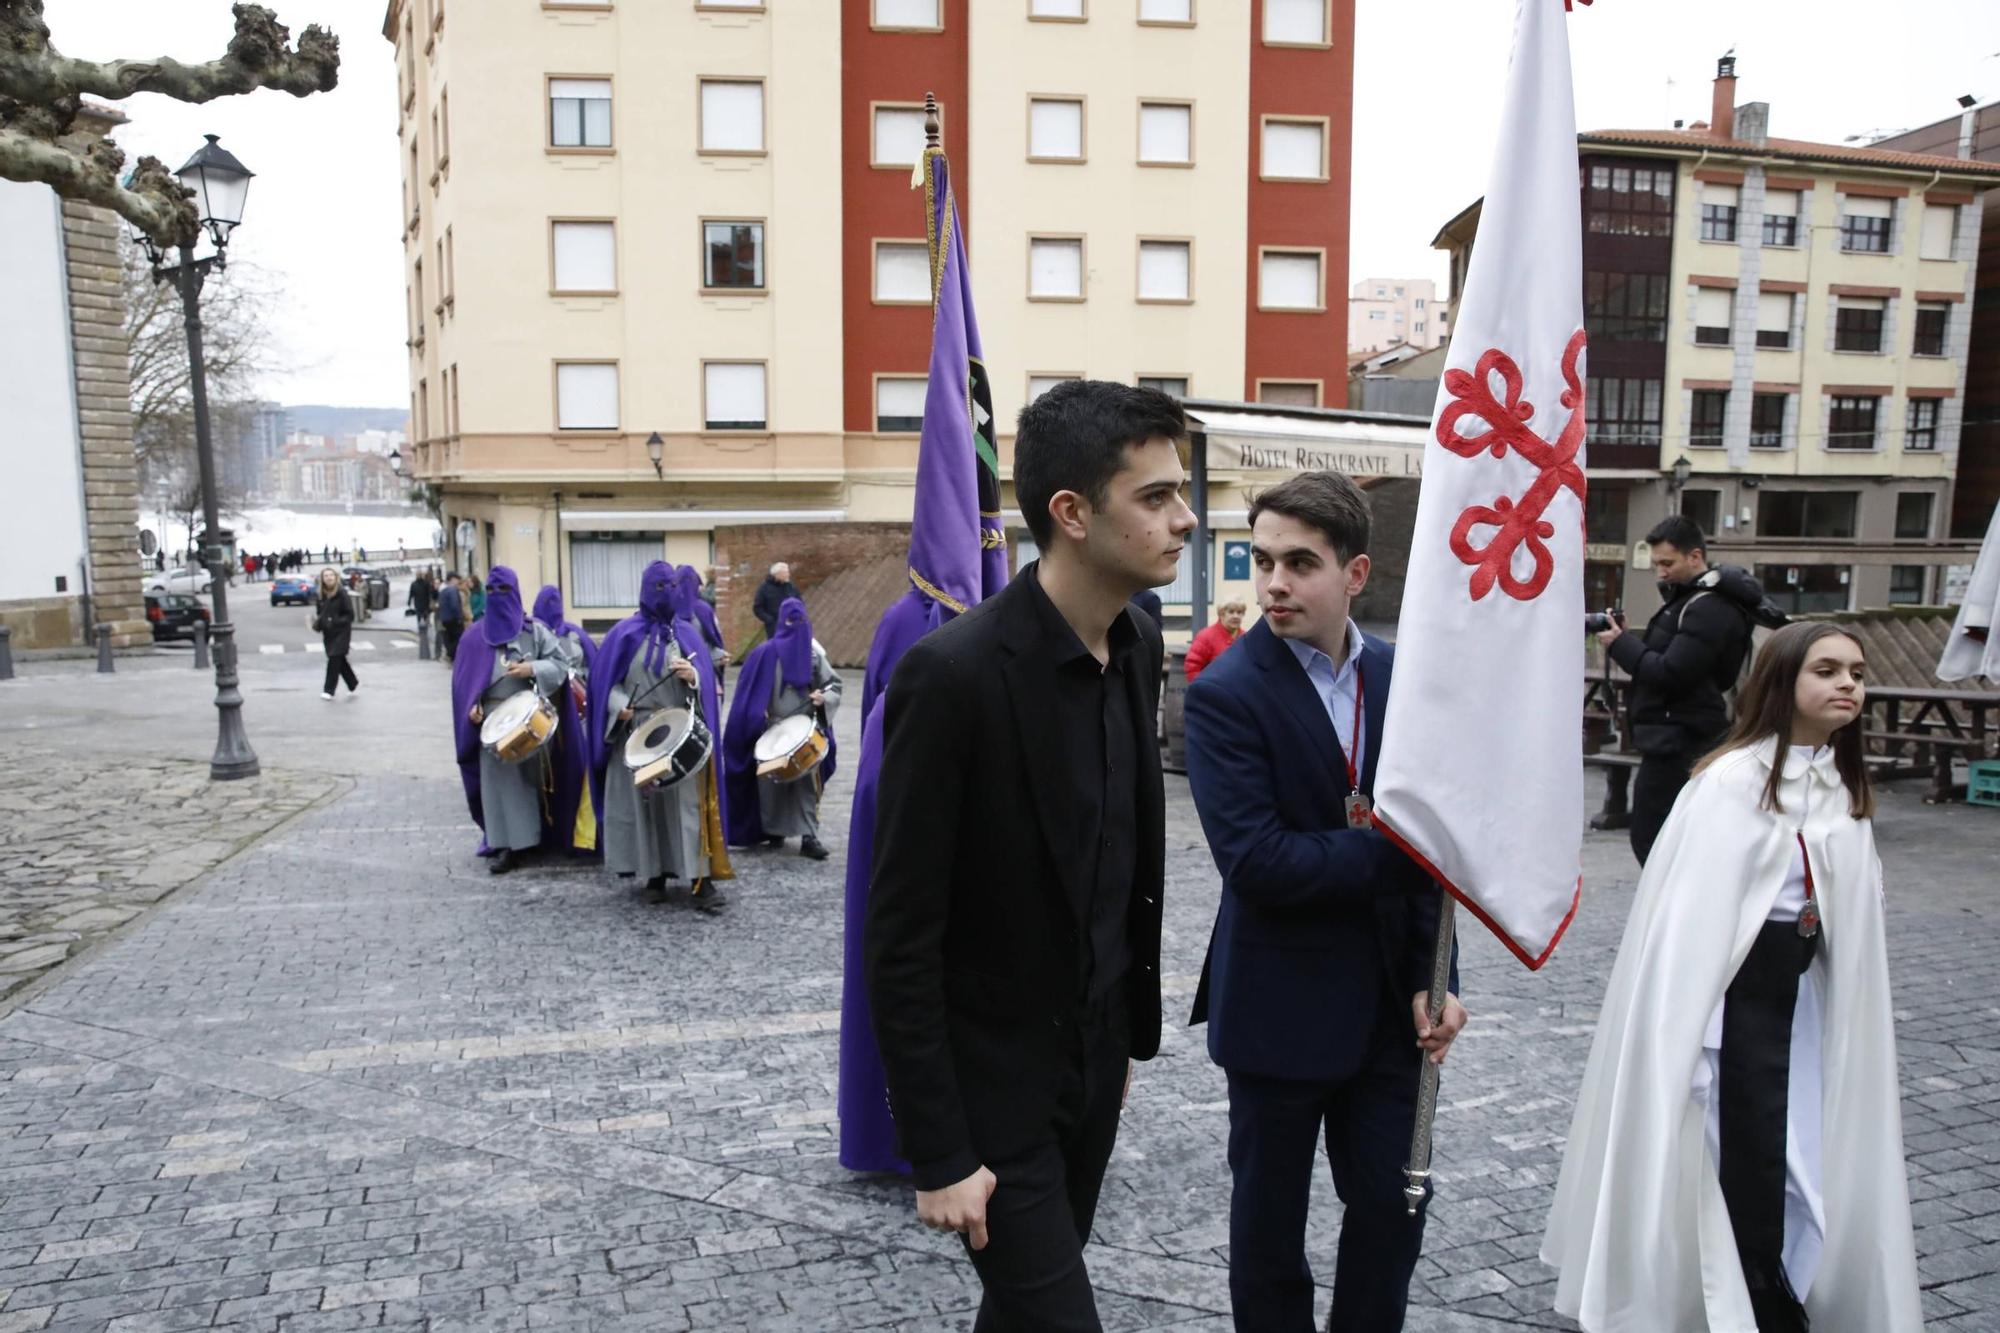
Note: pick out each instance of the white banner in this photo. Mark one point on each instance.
(1481, 773)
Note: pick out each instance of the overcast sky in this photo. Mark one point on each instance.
(323, 212)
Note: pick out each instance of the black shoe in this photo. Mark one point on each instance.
(501, 862)
(774, 842)
(810, 847)
(708, 899)
(656, 888)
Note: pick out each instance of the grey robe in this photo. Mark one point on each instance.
(654, 833)
(512, 793)
(791, 809)
(570, 645)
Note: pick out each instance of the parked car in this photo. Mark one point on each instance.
(355, 575)
(174, 615)
(190, 579)
(289, 589)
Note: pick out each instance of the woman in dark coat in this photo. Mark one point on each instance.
(333, 617)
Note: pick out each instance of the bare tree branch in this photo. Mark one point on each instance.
(42, 92)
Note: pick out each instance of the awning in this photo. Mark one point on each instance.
(1280, 442)
(689, 520)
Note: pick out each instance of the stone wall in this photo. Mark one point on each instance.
(847, 573)
(102, 359)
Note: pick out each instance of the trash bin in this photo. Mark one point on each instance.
(378, 592)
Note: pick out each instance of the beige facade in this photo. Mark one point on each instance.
(1382, 312)
(564, 164)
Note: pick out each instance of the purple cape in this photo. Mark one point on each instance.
(471, 673)
(549, 611)
(647, 631)
(756, 683)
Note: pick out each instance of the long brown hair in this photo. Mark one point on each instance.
(1768, 704)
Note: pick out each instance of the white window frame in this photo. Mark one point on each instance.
(1071, 100)
(1159, 104)
(1275, 11)
(702, 145)
(900, 111)
(1161, 248)
(584, 424)
(764, 379)
(1045, 240)
(1320, 123)
(905, 249)
(1265, 253)
(556, 285)
(902, 385)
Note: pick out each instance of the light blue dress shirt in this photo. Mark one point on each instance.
(1337, 688)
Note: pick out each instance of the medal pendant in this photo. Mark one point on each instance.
(1809, 920)
(1360, 811)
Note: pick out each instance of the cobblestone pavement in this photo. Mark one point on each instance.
(87, 846)
(349, 1080)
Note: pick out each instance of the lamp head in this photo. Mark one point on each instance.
(221, 185)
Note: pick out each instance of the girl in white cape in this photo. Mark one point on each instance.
(1736, 1160)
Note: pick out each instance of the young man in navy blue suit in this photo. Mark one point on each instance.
(1317, 974)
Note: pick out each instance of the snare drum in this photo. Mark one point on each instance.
(790, 748)
(518, 726)
(668, 745)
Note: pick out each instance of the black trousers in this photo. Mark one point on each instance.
(1752, 1093)
(1275, 1127)
(338, 669)
(1654, 787)
(1049, 1175)
(451, 630)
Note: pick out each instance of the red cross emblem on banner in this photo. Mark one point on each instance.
(1518, 523)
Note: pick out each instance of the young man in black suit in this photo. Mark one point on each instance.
(1317, 975)
(1013, 935)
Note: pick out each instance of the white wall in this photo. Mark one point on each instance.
(41, 514)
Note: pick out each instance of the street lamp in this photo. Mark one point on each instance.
(220, 184)
(1681, 470)
(396, 461)
(656, 449)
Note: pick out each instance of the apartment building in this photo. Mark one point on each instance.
(667, 278)
(1385, 312)
(1778, 336)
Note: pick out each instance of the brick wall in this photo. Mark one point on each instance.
(848, 573)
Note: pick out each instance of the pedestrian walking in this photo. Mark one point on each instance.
(776, 589)
(451, 615)
(333, 621)
(1736, 1156)
(422, 600)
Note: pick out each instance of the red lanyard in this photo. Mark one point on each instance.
(1354, 736)
(1806, 861)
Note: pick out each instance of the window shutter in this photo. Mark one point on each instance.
(899, 135)
(735, 394)
(1856, 206)
(1055, 128)
(902, 273)
(1294, 150)
(1295, 21)
(1774, 312)
(900, 397)
(1165, 133)
(587, 397)
(1711, 308)
(732, 117)
(906, 13)
(1724, 196)
(1781, 203)
(1163, 270)
(586, 257)
(1940, 224)
(1289, 281)
(1166, 11)
(1055, 268)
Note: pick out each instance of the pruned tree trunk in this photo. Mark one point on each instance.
(42, 92)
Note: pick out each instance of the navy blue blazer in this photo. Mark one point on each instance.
(1322, 930)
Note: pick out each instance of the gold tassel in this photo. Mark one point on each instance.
(713, 843)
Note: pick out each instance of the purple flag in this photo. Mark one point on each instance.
(957, 559)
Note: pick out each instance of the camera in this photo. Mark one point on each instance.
(1611, 617)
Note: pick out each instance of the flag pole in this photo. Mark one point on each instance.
(1418, 1172)
(932, 136)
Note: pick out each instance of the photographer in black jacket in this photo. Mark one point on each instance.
(1690, 654)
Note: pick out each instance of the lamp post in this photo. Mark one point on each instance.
(656, 449)
(220, 184)
(1681, 469)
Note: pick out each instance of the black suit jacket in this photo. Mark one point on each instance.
(1323, 931)
(976, 939)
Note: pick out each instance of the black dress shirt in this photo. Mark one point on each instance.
(1091, 706)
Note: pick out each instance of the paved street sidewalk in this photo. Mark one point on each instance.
(349, 1080)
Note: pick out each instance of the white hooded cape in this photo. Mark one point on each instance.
(1639, 1229)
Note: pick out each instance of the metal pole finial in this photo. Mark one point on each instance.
(932, 127)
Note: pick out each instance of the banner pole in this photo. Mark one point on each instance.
(1418, 1173)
